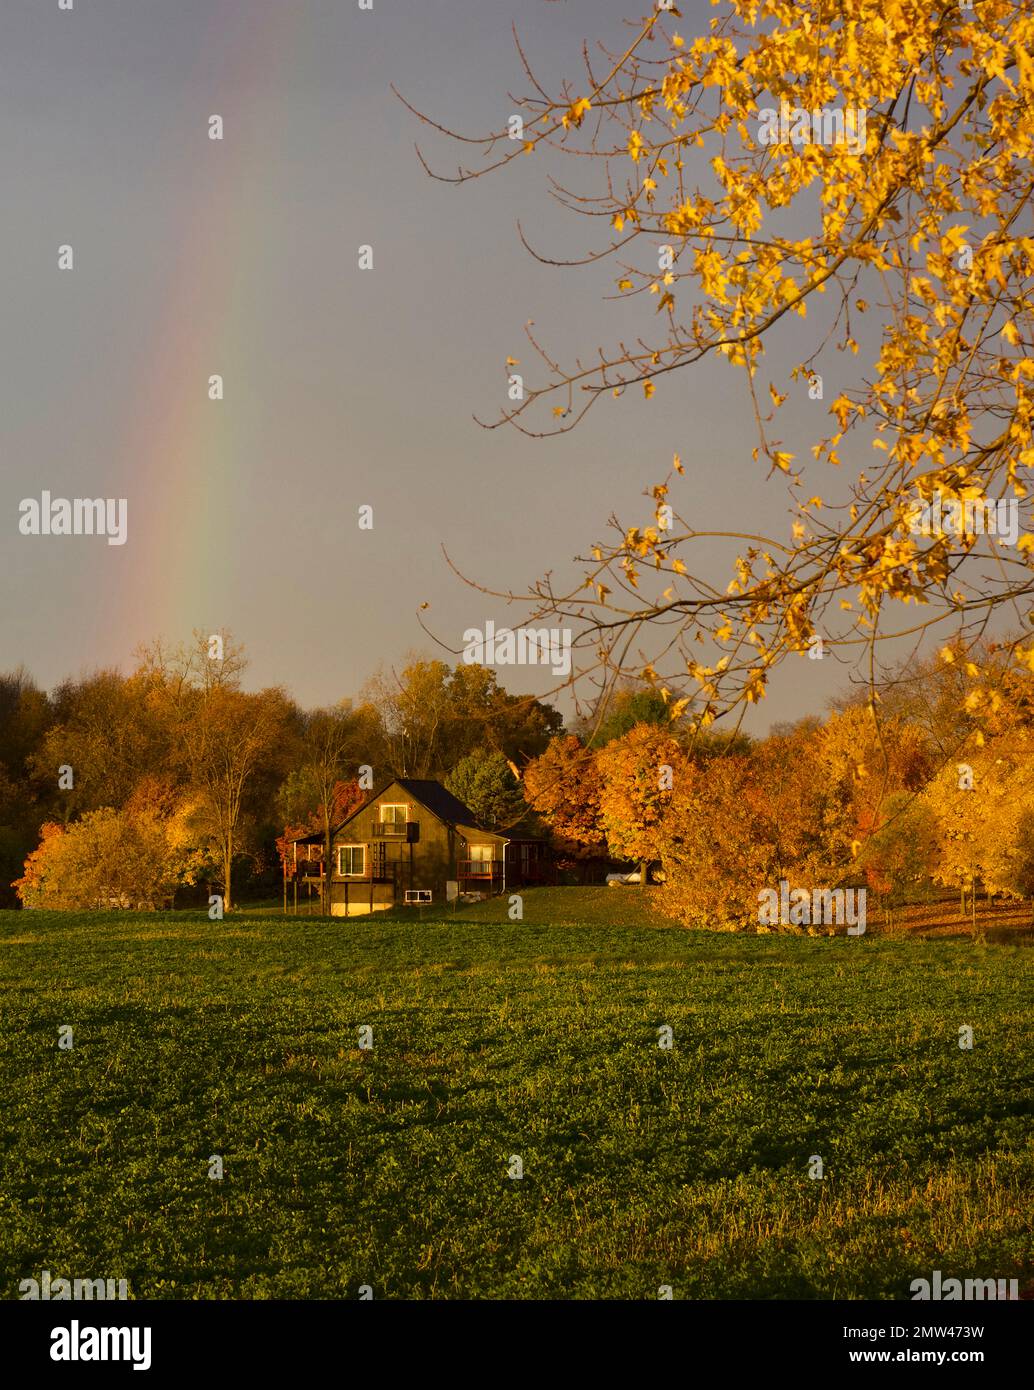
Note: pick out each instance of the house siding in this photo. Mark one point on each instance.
(428, 863)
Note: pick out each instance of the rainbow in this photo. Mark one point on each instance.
(185, 457)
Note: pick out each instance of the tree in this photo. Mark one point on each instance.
(864, 761)
(227, 739)
(229, 748)
(108, 858)
(744, 823)
(564, 786)
(625, 709)
(639, 771)
(431, 716)
(485, 784)
(900, 857)
(980, 803)
(106, 735)
(802, 179)
(1022, 878)
(329, 750)
(25, 715)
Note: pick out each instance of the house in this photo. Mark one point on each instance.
(414, 842)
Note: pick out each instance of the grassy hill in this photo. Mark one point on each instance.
(494, 1040)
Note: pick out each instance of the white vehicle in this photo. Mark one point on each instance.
(653, 876)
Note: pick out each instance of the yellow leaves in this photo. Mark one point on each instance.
(648, 389)
(676, 463)
(528, 147)
(947, 655)
(618, 222)
(576, 112)
(754, 689)
(624, 284)
(635, 145)
(783, 460)
(1010, 333)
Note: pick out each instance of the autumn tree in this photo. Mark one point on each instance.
(105, 736)
(980, 803)
(900, 856)
(135, 857)
(564, 786)
(332, 746)
(805, 191)
(433, 715)
(743, 823)
(232, 748)
(638, 772)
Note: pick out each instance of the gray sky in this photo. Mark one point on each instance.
(195, 257)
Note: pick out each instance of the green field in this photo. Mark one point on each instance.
(390, 1167)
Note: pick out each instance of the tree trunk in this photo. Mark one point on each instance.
(328, 865)
(227, 872)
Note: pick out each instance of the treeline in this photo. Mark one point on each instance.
(122, 787)
(133, 788)
(922, 786)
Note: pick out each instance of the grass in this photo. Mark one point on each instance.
(494, 1039)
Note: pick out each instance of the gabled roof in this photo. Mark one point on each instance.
(433, 797)
(437, 800)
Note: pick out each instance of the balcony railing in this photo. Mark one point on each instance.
(479, 868)
(408, 830)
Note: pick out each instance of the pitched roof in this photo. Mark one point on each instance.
(438, 801)
(431, 795)
(434, 798)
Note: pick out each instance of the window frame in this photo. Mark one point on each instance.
(351, 873)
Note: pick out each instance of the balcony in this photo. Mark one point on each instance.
(407, 830)
(487, 869)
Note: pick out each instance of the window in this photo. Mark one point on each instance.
(482, 854)
(351, 861)
(418, 895)
(393, 814)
